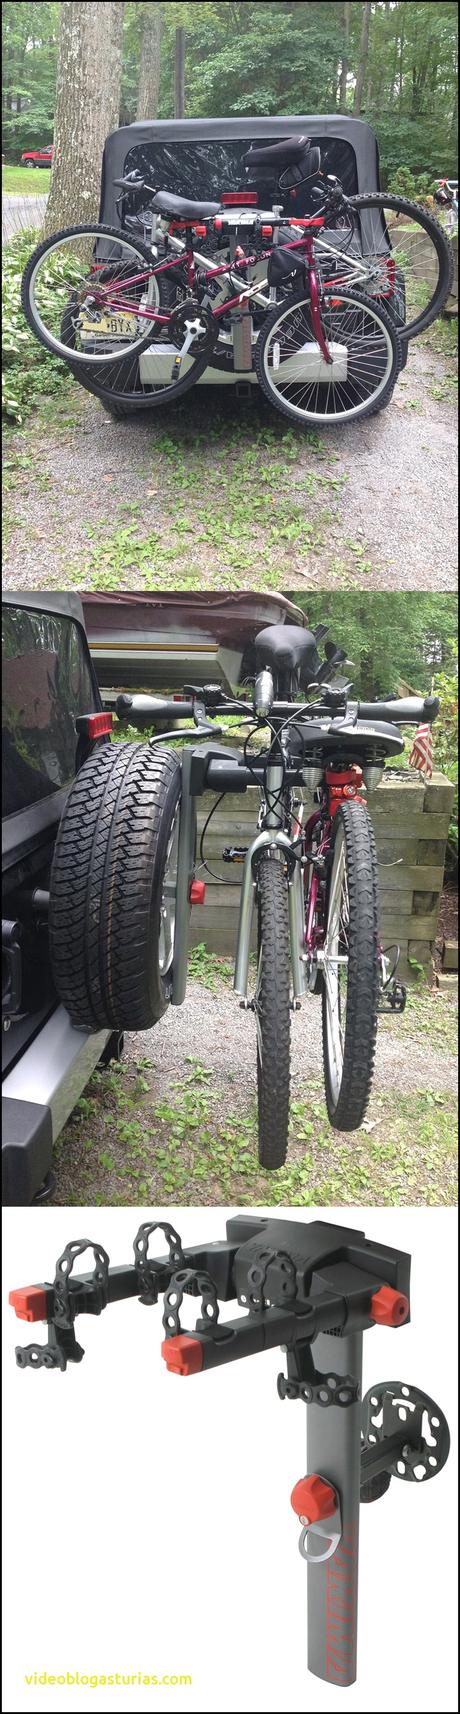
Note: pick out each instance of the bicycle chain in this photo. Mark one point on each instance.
(149, 1277)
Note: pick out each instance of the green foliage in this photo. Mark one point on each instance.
(29, 371)
(418, 188)
(392, 638)
(29, 41)
(266, 57)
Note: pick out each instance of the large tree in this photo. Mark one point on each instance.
(87, 107)
(149, 68)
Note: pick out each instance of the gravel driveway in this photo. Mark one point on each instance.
(212, 1026)
(176, 1122)
(223, 493)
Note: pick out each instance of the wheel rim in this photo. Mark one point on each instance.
(168, 900)
(348, 324)
(77, 282)
(402, 261)
(335, 966)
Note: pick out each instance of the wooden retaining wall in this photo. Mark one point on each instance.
(411, 823)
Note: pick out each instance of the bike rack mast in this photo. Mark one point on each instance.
(333, 1584)
(309, 1287)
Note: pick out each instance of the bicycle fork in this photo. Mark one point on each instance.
(273, 839)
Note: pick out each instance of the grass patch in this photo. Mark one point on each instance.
(223, 491)
(208, 968)
(29, 181)
(124, 1145)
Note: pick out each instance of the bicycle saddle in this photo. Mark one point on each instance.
(287, 153)
(182, 208)
(287, 647)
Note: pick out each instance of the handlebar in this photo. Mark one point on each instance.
(153, 708)
(399, 711)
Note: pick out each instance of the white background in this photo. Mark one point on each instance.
(148, 1518)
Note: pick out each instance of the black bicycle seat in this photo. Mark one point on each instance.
(285, 154)
(287, 647)
(181, 208)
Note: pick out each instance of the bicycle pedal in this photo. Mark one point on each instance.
(394, 1000)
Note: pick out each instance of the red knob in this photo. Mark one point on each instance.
(389, 1308)
(197, 892)
(313, 1499)
(182, 1354)
(29, 1302)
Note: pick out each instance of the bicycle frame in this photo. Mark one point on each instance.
(306, 933)
(116, 299)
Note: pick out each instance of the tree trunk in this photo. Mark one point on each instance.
(87, 108)
(345, 61)
(363, 57)
(179, 79)
(149, 73)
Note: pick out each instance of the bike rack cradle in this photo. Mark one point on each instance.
(312, 1288)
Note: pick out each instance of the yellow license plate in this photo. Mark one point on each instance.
(110, 327)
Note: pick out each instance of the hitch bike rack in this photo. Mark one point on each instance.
(312, 1288)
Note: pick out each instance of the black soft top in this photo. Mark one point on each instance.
(203, 157)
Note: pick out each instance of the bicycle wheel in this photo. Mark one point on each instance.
(273, 1016)
(90, 295)
(366, 351)
(89, 276)
(143, 379)
(399, 241)
(350, 969)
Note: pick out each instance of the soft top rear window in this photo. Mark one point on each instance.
(205, 169)
(47, 681)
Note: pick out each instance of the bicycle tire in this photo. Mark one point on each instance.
(382, 394)
(415, 212)
(124, 373)
(103, 374)
(106, 887)
(88, 230)
(273, 1013)
(346, 1105)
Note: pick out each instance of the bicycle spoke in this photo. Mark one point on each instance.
(362, 352)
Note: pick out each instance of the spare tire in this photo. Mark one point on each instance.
(112, 888)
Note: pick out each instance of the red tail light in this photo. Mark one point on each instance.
(239, 199)
(94, 725)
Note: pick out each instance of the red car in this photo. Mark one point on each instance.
(37, 157)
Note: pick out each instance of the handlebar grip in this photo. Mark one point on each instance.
(152, 708)
(403, 710)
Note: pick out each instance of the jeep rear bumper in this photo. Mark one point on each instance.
(37, 1097)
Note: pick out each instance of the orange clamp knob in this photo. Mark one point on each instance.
(388, 1307)
(313, 1499)
(197, 892)
(29, 1302)
(182, 1354)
